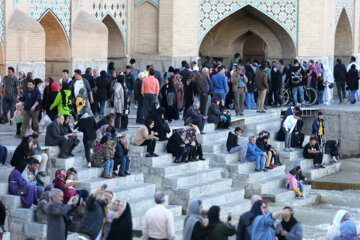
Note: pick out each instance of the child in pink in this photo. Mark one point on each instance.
(293, 183)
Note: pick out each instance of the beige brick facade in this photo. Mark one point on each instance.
(168, 31)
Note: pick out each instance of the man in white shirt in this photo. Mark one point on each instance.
(65, 77)
(79, 83)
(158, 221)
(288, 126)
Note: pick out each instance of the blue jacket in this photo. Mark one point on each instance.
(261, 228)
(219, 84)
(253, 150)
(121, 152)
(192, 114)
(316, 126)
(30, 98)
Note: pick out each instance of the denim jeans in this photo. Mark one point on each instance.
(220, 95)
(102, 107)
(200, 122)
(241, 149)
(11, 103)
(301, 186)
(3, 154)
(287, 138)
(124, 165)
(249, 101)
(259, 161)
(109, 166)
(40, 190)
(320, 97)
(295, 91)
(149, 100)
(352, 95)
(277, 97)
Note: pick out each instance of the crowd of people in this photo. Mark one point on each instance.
(200, 94)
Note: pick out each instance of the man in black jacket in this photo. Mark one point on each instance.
(296, 77)
(232, 145)
(250, 86)
(139, 98)
(241, 230)
(94, 218)
(340, 78)
(53, 137)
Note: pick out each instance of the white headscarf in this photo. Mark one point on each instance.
(328, 75)
(338, 217)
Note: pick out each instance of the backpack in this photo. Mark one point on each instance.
(296, 77)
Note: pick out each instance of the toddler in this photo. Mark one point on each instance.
(18, 118)
(293, 183)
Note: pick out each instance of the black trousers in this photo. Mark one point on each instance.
(117, 120)
(341, 90)
(140, 111)
(178, 152)
(150, 145)
(18, 127)
(88, 144)
(317, 157)
(65, 145)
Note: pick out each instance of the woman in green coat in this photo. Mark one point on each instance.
(62, 100)
(218, 230)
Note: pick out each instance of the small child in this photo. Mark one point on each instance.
(26, 175)
(117, 208)
(18, 118)
(293, 183)
(71, 184)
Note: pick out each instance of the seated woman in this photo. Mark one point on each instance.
(226, 113)
(144, 137)
(22, 152)
(156, 114)
(168, 100)
(3, 154)
(72, 136)
(104, 157)
(177, 145)
(60, 183)
(216, 116)
(196, 149)
(18, 186)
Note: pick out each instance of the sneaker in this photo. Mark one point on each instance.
(127, 173)
(155, 155)
(334, 159)
(322, 166)
(264, 170)
(11, 122)
(291, 149)
(201, 158)
(286, 150)
(89, 165)
(148, 155)
(202, 133)
(262, 111)
(91, 151)
(316, 166)
(257, 170)
(301, 197)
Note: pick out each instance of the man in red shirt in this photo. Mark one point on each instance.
(150, 91)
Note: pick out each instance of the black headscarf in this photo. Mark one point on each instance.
(214, 218)
(121, 228)
(22, 152)
(287, 226)
(255, 210)
(21, 166)
(148, 123)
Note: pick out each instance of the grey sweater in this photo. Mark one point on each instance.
(296, 232)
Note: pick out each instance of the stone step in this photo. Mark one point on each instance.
(284, 194)
(94, 183)
(265, 125)
(304, 163)
(127, 192)
(5, 172)
(140, 151)
(257, 117)
(4, 187)
(138, 217)
(253, 176)
(175, 168)
(163, 158)
(21, 230)
(301, 202)
(265, 186)
(85, 173)
(235, 208)
(221, 197)
(25, 214)
(315, 173)
(182, 195)
(214, 147)
(298, 153)
(191, 178)
(209, 137)
(11, 201)
(178, 225)
(75, 162)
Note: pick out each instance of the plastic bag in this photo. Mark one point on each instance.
(45, 121)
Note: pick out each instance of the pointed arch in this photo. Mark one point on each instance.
(343, 37)
(57, 48)
(156, 3)
(146, 28)
(226, 36)
(116, 43)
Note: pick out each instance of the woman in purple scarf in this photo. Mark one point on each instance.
(311, 73)
(16, 181)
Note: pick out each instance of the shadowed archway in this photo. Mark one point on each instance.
(343, 38)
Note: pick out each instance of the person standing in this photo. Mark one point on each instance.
(129, 81)
(288, 127)
(194, 225)
(190, 90)
(262, 86)
(250, 86)
(119, 101)
(219, 83)
(318, 128)
(10, 91)
(57, 215)
(340, 79)
(239, 81)
(78, 84)
(352, 80)
(102, 92)
(204, 91)
(158, 222)
(31, 100)
(296, 76)
(95, 215)
(150, 91)
(241, 231)
(139, 98)
(276, 84)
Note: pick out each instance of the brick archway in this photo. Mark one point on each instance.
(225, 37)
(343, 38)
(116, 45)
(57, 48)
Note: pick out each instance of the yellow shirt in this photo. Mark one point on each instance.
(321, 130)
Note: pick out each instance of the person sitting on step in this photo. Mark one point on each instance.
(299, 175)
(144, 137)
(254, 153)
(107, 120)
(312, 151)
(232, 145)
(197, 148)
(104, 158)
(293, 184)
(261, 142)
(332, 148)
(216, 116)
(70, 134)
(275, 160)
(71, 184)
(156, 114)
(288, 127)
(122, 157)
(192, 115)
(177, 145)
(54, 137)
(297, 137)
